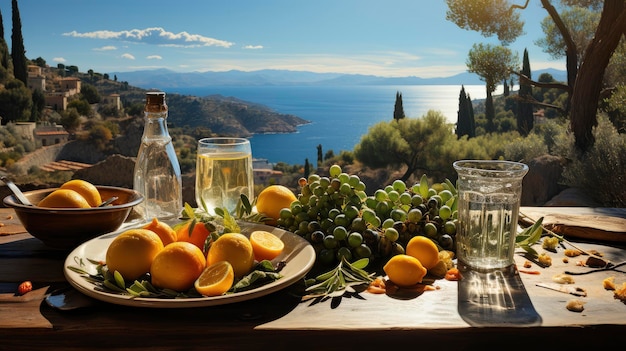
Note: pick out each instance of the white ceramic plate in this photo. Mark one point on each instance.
(298, 254)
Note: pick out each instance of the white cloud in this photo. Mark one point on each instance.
(59, 59)
(154, 35)
(105, 48)
(253, 47)
(154, 57)
(128, 56)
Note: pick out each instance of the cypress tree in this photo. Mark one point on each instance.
(18, 53)
(4, 48)
(472, 122)
(320, 156)
(462, 122)
(525, 119)
(398, 110)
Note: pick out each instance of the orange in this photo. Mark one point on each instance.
(216, 279)
(266, 246)
(64, 198)
(86, 190)
(177, 266)
(273, 199)
(163, 230)
(424, 250)
(234, 248)
(197, 235)
(131, 253)
(404, 270)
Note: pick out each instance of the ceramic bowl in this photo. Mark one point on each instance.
(66, 228)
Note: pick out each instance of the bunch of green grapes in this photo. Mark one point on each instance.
(339, 219)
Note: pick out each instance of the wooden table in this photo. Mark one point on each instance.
(527, 316)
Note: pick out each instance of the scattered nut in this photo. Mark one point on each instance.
(572, 252)
(545, 260)
(575, 305)
(609, 283)
(563, 279)
(527, 264)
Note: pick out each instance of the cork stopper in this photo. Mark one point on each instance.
(155, 101)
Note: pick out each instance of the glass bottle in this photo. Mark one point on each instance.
(157, 171)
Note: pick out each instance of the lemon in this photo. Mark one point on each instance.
(64, 198)
(424, 249)
(177, 266)
(216, 279)
(272, 199)
(234, 248)
(131, 253)
(266, 246)
(404, 270)
(86, 190)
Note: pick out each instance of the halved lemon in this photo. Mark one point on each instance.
(266, 246)
(216, 279)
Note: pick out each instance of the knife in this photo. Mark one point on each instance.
(564, 289)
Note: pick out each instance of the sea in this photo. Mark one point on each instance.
(339, 115)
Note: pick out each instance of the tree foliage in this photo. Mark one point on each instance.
(15, 102)
(398, 109)
(18, 53)
(525, 119)
(492, 63)
(417, 143)
(585, 77)
(465, 116)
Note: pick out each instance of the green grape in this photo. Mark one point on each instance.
(360, 186)
(405, 198)
(326, 223)
(358, 224)
(296, 207)
(332, 213)
(445, 195)
(344, 252)
(362, 195)
(388, 189)
(344, 177)
(393, 195)
(302, 216)
(340, 233)
(387, 223)
(368, 215)
(382, 209)
(449, 227)
(392, 234)
(431, 192)
(355, 239)
(376, 221)
(303, 226)
(371, 237)
(399, 185)
(381, 195)
(371, 202)
(342, 220)
(335, 184)
(446, 242)
(430, 230)
(345, 189)
(415, 189)
(317, 237)
(285, 213)
(416, 200)
(354, 180)
(363, 251)
(324, 182)
(313, 178)
(398, 215)
(414, 215)
(351, 212)
(306, 190)
(330, 242)
(445, 212)
(334, 170)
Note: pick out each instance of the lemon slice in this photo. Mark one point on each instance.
(216, 279)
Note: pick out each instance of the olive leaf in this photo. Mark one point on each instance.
(340, 277)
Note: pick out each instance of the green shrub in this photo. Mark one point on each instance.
(525, 149)
(601, 171)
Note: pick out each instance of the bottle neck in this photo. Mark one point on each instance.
(155, 124)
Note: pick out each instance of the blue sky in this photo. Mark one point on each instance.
(391, 38)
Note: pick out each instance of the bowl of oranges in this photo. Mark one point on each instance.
(75, 212)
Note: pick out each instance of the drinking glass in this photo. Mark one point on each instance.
(489, 199)
(223, 173)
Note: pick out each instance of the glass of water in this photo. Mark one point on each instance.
(489, 199)
(223, 173)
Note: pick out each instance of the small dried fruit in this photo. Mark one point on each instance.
(563, 279)
(609, 283)
(572, 252)
(24, 287)
(575, 305)
(545, 260)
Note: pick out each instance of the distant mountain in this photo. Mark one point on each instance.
(167, 79)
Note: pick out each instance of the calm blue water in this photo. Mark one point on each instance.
(339, 115)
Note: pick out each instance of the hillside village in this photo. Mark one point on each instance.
(47, 136)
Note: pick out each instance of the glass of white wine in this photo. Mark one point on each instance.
(223, 173)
